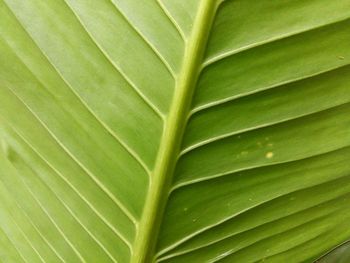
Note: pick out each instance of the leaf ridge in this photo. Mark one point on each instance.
(13, 245)
(188, 251)
(232, 172)
(248, 209)
(260, 126)
(208, 227)
(166, 64)
(172, 20)
(116, 67)
(33, 224)
(123, 144)
(222, 56)
(21, 230)
(172, 256)
(52, 221)
(276, 85)
(105, 221)
(72, 214)
(87, 171)
(226, 256)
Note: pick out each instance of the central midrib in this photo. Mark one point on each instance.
(161, 178)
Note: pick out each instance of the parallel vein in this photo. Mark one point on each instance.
(222, 56)
(104, 220)
(116, 67)
(119, 140)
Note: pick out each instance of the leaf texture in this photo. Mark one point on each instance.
(174, 131)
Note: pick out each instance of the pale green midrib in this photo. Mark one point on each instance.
(148, 228)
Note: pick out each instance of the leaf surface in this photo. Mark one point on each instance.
(174, 131)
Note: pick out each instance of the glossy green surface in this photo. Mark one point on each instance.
(174, 131)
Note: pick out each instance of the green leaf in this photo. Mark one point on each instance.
(174, 131)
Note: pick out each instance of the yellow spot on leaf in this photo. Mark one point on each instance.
(269, 155)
